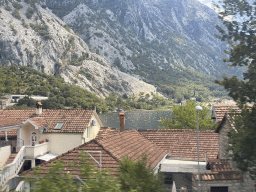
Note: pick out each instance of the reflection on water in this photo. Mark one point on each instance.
(135, 119)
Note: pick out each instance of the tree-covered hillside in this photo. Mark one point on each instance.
(25, 80)
(28, 81)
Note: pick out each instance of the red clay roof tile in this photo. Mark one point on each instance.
(75, 121)
(114, 148)
(220, 110)
(183, 143)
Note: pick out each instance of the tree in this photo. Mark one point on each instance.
(134, 177)
(184, 117)
(27, 101)
(58, 181)
(138, 176)
(240, 32)
(243, 140)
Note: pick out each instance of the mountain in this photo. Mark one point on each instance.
(169, 43)
(112, 45)
(33, 36)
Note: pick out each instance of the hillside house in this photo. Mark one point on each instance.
(217, 173)
(37, 135)
(219, 111)
(106, 153)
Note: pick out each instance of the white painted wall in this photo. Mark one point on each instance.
(37, 150)
(93, 130)
(62, 142)
(5, 152)
(26, 132)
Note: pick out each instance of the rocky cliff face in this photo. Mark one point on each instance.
(169, 43)
(179, 33)
(34, 36)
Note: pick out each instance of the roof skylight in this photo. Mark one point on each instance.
(59, 126)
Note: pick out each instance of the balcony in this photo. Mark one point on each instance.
(37, 150)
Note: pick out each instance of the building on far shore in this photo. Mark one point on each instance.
(10, 100)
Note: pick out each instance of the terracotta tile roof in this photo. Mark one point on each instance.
(131, 143)
(106, 132)
(10, 134)
(226, 119)
(128, 143)
(220, 165)
(39, 121)
(230, 175)
(6, 122)
(220, 110)
(75, 120)
(108, 161)
(220, 170)
(181, 143)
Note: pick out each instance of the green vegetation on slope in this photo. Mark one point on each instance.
(28, 81)
(180, 85)
(25, 80)
(142, 102)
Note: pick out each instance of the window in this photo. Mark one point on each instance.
(88, 132)
(219, 189)
(59, 126)
(94, 122)
(168, 179)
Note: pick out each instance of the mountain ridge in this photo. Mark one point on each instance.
(120, 43)
(44, 42)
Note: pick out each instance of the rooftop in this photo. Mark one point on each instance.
(220, 170)
(182, 143)
(75, 120)
(219, 111)
(129, 143)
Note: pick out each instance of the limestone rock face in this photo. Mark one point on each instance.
(173, 34)
(43, 41)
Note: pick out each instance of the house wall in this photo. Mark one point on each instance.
(183, 180)
(62, 142)
(5, 152)
(26, 132)
(93, 130)
(233, 185)
(223, 138)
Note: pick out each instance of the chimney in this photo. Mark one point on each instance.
(39, 108)
(122, 121)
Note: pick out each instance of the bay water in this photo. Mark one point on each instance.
(148, 119)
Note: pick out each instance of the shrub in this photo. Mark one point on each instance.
(13, 29)
(8, 8)
(41, 29)
(24, 23)
(30, 11)
(17, 5)
(16, 14)
(66, 27)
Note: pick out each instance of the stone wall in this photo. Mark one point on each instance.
(233, 185)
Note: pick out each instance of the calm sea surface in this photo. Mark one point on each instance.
(135, 119)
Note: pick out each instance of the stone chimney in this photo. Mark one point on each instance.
(39, 108)
(122, 121)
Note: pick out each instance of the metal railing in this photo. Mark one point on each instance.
(13, 168)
